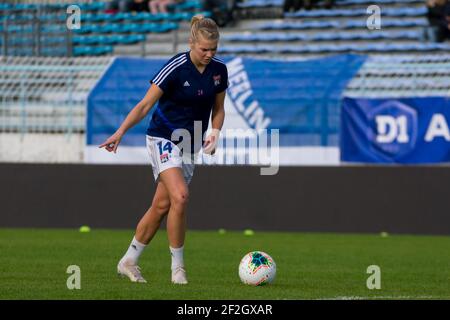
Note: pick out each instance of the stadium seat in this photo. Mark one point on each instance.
(88, 50)
(337, 48)
(134, 38)
(108, 28)
(179, 16)
(323, 36)
(53, 40)
(369, 2)
(260, 3)
(141, 16)
(5, 6)
(165, 27)
(187, 5)
(349, 24)
(87, 28)
(389, 12)
(94, 6)
(25, 6)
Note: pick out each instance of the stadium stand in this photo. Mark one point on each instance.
(311, 32)
(46, 72)
(38, 25)
(305, 32)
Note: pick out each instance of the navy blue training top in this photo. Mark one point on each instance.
(188, 95)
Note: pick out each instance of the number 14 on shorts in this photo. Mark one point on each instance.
(165, 153)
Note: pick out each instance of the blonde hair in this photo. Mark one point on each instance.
(205, 27)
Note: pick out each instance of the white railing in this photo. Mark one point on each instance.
(402, 76)
(46, 95)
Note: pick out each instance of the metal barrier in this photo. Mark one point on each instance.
(402, 76)
(46, 95)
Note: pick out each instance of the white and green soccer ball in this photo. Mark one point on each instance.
(257, 268)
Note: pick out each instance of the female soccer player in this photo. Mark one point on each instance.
(189, 87)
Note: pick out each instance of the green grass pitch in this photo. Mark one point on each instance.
(33, 264)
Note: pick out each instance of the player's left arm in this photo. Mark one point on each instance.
(217, 119)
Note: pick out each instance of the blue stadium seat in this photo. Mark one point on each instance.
(109, 28)
(19, 41)
(350, 24)
(120, 16)
(56, 6)
(103, 17)
(87, 28)
(54, 51)
(89, 50)
(21, 51)
(52, 28)
(134, 38)
(158, 17)
(388, 12)
(54, 17)
(94, 6)
(179, 16)
(92, 40)
(112, 39)
(80, 51)
(378, 2)
(18, 28)
(5, 6)
(324, 36)
(25, 6)
(386, 23)
(300, 26)
(17, 18)
(338, 48)
(131, 27)
(186, 5)
(97, 51)
(53, 40)
(260, 3)
(108, 40)
(165, 27)
(87, 17)
(140, 16)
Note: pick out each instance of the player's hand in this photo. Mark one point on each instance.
(112, 142)
(209, 147)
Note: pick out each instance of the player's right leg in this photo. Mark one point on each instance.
(146, 229)
(150, 222)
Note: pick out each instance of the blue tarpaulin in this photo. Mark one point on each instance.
(300, 98)
(406, 130)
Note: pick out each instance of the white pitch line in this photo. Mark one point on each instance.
(382, 297)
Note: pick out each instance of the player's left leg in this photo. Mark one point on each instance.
(176, 186)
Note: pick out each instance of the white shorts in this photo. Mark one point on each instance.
(164, 154)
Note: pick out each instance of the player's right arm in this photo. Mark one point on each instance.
(134, 116)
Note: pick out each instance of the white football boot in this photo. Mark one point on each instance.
(179, 276)
(127, 269)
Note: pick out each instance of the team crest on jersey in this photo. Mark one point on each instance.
(216, 80)
(164, 157)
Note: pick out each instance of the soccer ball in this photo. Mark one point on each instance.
(257, 268)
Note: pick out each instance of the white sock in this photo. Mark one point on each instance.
(134, 251)
(177, 257)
